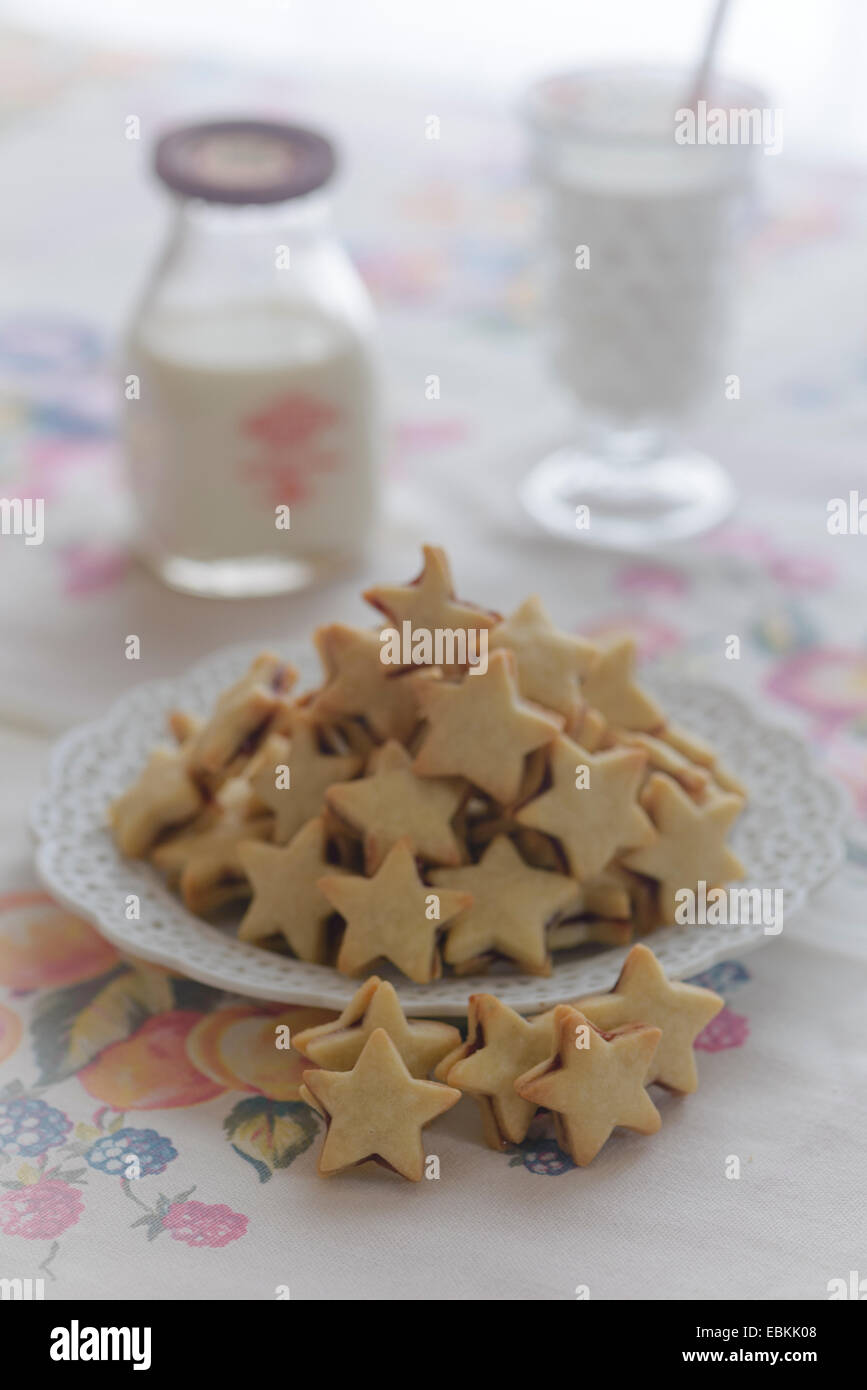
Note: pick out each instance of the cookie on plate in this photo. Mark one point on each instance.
(481, 728)
(428, 605)
(287, 899)
(611, 688)
(689, 844)
(204, 861)
(392, 916)
(511, 905)
(297, 794)
(358, 684)
(550, 663)
(591, 807)
(164, 797)
(241, 717)
(392, 802)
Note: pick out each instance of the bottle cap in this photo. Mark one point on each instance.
(243, 161)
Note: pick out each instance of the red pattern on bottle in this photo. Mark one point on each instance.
(291, 437)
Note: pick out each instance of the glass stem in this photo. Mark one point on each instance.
(630, 448)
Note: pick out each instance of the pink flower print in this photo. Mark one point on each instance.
(431, 434)
(829, 683)
(90, 568)
(42, 1211)
(801, 571)
(791, 571)
(652, 637)
(197, 1223)
(652, 579)
(288, 438)
(54, 466)
(846, 757)
(404, 277)
(418, 437)
(747, 543)
(728, 1029)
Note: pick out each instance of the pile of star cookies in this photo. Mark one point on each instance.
(588, 1064)
(460, 814)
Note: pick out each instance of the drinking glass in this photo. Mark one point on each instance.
(640, 238)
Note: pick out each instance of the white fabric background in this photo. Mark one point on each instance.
(652, 1217)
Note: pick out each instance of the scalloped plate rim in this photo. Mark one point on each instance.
(335, 990)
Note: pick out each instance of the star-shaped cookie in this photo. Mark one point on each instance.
(428, 603)
(662, 757)
(311, 772)
(240, 715)
(512, 905)
(643, 994)
(391, 801)
(376, 1111)
(592, 822)
(164, 796)
(550, 663)
(336, 1046)
(603, 931)
(392, 915)
(589, 728)
(610, 687)
(500, 1047)
(286, 895)
(697, 751)
(183, 726)
(606, 895)
(481, 728)
(205, 860)
(593, 1082)
(690, 843)
(358, 682)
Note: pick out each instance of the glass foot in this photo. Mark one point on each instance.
(588, 499)
(260, 576)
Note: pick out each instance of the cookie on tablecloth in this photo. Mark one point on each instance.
(336, 1046)
(500, 1046)
(643, 994)
(375, 1112)
(593, 1082)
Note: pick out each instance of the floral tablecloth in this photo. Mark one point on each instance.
(131, 1165)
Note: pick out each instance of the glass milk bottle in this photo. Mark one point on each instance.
(252, 403)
